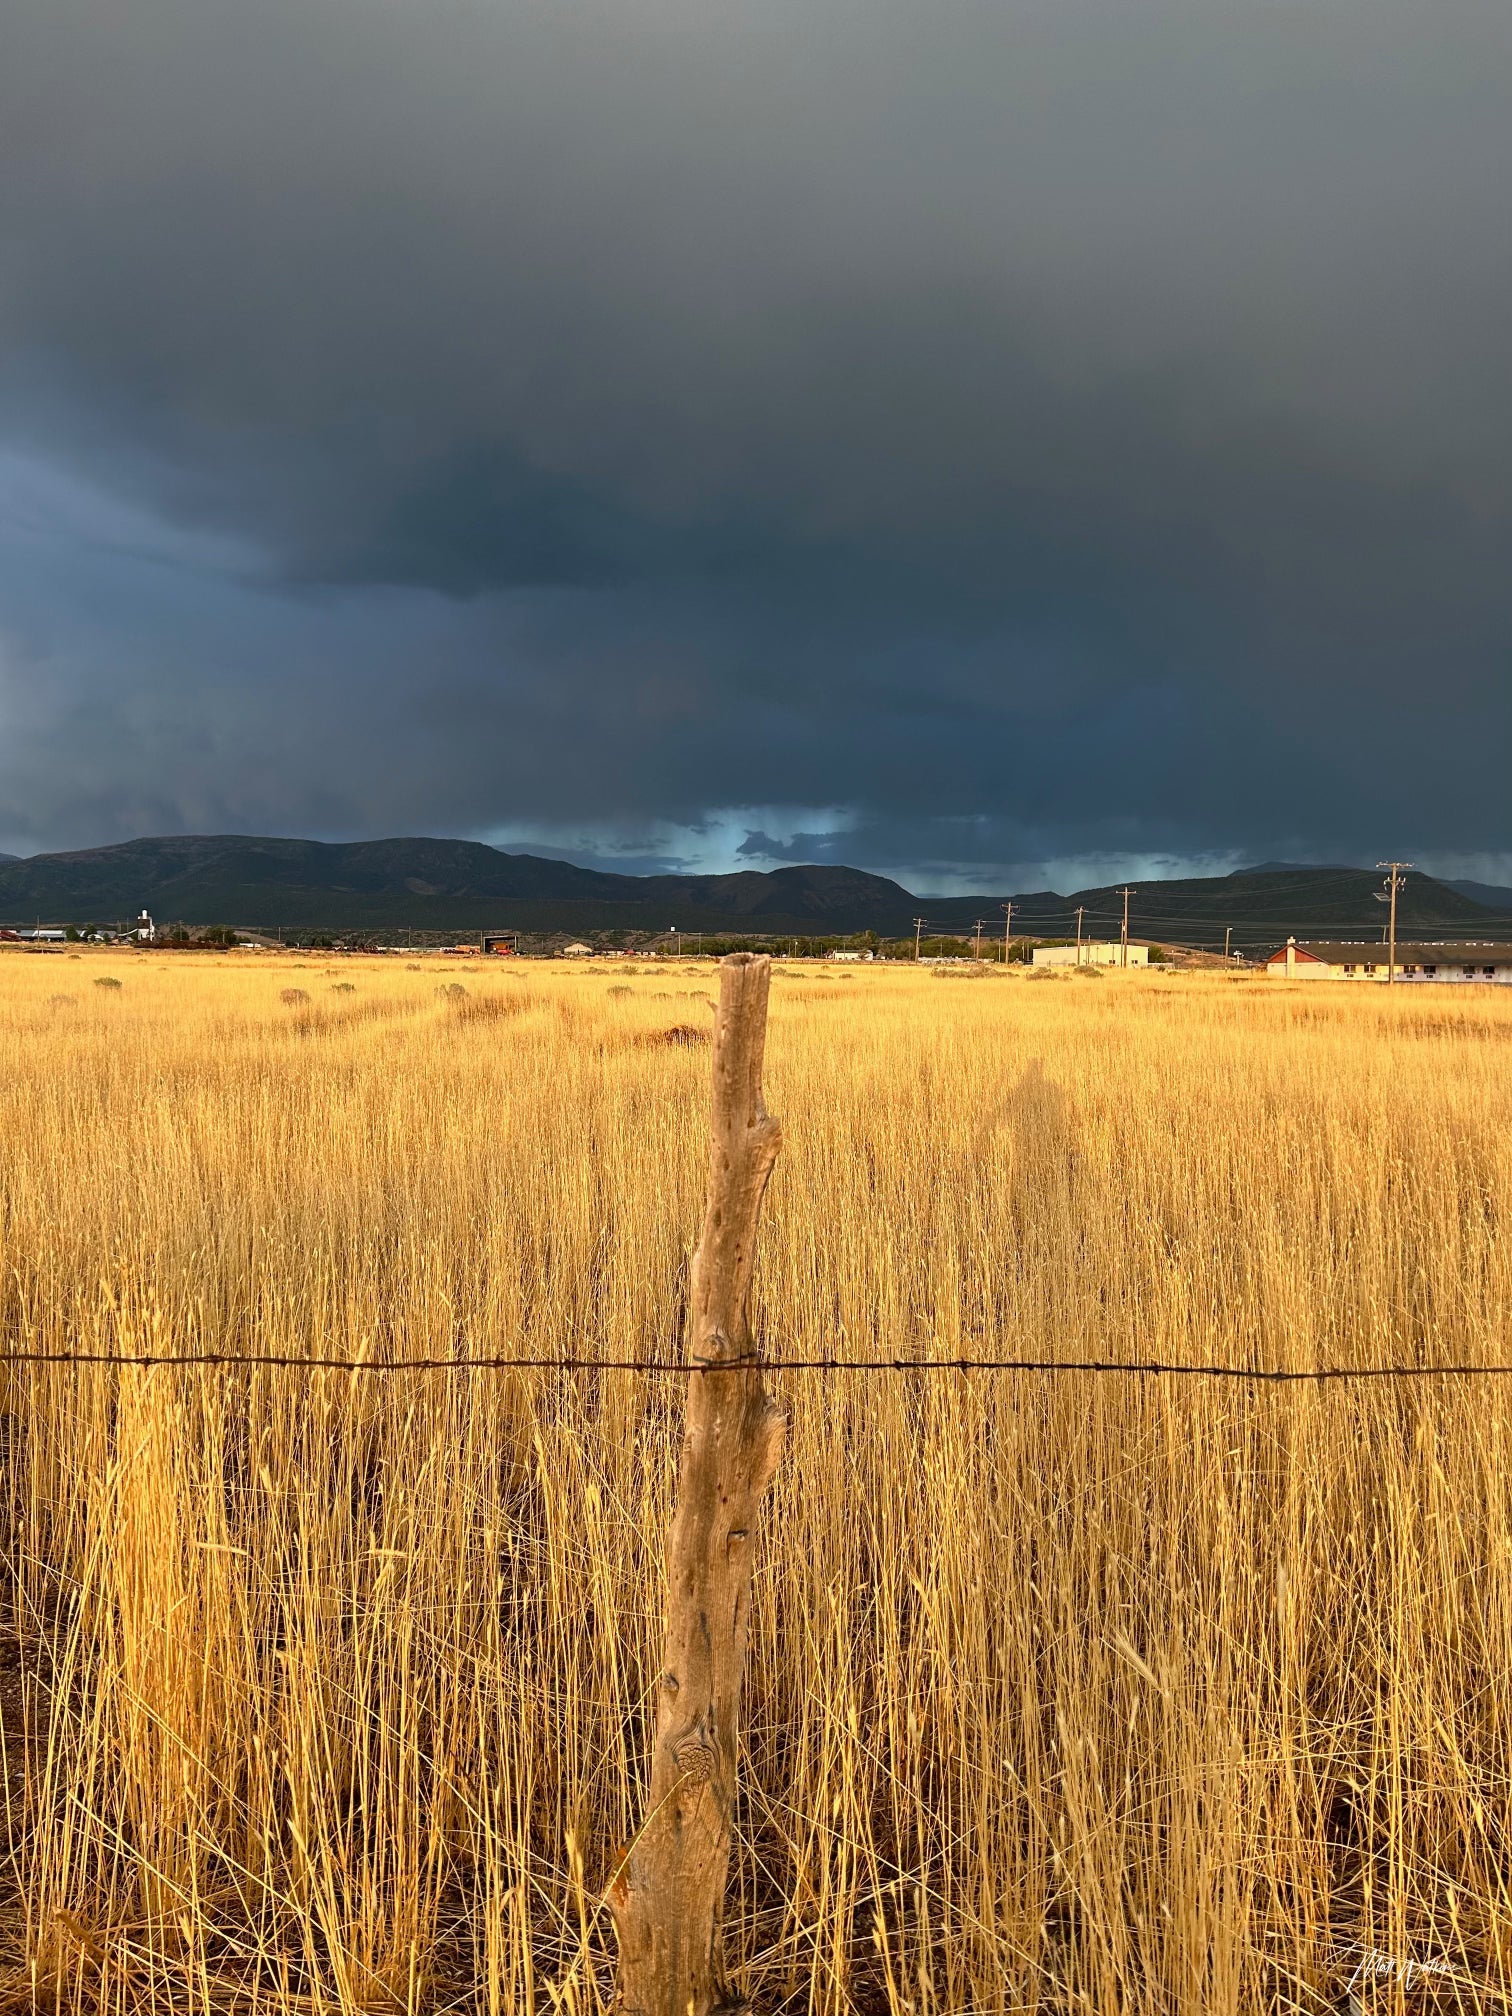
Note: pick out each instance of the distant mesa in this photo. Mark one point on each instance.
(1300, 868)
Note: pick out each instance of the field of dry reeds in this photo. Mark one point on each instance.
(327, 1691)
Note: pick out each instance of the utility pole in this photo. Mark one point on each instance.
(1079, 933)
(1227, 931)
(918, 935)
(1394, 880)
(1007, 929)
(1123, 958)
(977, 928)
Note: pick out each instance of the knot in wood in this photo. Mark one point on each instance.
(695, 1759)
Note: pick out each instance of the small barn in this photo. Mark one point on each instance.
(1292, 961)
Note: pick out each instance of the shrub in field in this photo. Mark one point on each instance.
(343, 987)
(616, 992)
(60, 1000)
(108, 981)
(488, 1007)
(452, 990)
(681, 1033)
(293, 997)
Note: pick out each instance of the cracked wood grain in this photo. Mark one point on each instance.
(668, 1895)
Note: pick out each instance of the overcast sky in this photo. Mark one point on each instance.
(983, 440)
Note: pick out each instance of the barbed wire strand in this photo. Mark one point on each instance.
(1126, 1368)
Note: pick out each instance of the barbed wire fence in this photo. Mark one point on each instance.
(1143, 1368)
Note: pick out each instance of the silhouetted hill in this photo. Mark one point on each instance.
(461, 885)
(425, 884)
(1492, 894)
(1262, 907)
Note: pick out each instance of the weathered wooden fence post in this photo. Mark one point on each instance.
(668, 1897)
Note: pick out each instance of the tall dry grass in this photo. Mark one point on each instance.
(1068, 1694)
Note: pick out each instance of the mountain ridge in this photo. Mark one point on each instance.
(1258, 906)
(1495, 896)
(422, 883)
(264, 882)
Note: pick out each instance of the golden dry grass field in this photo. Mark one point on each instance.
(327, 1691)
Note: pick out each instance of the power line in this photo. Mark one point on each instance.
(1492, 930)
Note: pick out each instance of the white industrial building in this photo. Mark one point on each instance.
(1093, 952)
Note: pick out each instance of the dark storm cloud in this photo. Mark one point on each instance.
(1034, 429)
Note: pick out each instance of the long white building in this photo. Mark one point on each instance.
(1456, 960)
